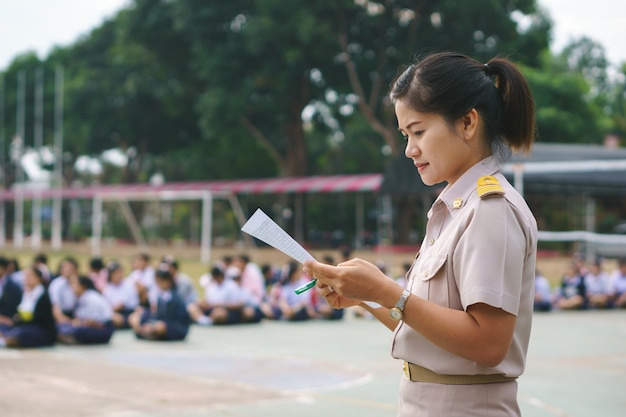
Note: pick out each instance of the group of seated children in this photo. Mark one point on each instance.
(38, 309)
(583, 287)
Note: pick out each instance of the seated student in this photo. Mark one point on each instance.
(61, 292)
(222, 303)
(40, 261)
(618, 285)
(166, 318)
(597, 285)
(98, 273)
(291, 306)
(10, 296)
(33, 325)
(142, 276)
(121, 293)
(543, 293)
(15, 272)
(92, 322)
(322, 308)
(184, 284)
(572, 294)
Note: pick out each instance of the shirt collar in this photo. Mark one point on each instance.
(456, 195)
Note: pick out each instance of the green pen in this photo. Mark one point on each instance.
(305, 287)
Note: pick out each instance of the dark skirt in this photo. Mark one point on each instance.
(174, 330)
(85, 335)
(31, 335)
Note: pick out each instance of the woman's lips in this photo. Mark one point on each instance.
(421, 167)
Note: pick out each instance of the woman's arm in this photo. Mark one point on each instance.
(482, 333)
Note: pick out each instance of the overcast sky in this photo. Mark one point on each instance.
(40, 24)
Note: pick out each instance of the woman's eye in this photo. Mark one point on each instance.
(418, 133)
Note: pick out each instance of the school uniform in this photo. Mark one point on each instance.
(34, 325)
(172, 310)
(91, 306)
(477, 249)
(10, 298)
(123, 294)
(224, 294)
(62, 295)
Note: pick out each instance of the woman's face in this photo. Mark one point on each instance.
(163, 284)
(117, 276)
(438, 151)
(30, 279)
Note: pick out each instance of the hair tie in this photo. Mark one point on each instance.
(486, 69)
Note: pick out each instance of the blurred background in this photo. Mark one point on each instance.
(172, 93)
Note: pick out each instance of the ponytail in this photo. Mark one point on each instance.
(517, 124)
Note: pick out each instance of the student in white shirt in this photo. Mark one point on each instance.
(93, 316)
(121, 294)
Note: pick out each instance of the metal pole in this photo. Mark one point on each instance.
(18, 223)
(96, 225)
(207, 225)
(38, 143)
(58, 151)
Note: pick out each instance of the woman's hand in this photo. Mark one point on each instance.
(348, 283)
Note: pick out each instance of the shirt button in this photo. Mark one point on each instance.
(431, 242)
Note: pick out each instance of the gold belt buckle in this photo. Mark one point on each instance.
(406, 370)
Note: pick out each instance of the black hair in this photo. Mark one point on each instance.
(86, 283)
(245, 258)
(216, 271)
(166, 275)
(4, 262)
(451, 84)
(41, 258)
(96, 263)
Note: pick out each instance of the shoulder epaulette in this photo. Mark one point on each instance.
(488, 186)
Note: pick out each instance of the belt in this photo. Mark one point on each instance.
(418, 373)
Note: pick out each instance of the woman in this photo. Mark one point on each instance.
(463, 323)
(121, 293)
(167, 317)
(33, 325)
(93, 316)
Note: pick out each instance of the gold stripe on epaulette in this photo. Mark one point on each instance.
(488, 186)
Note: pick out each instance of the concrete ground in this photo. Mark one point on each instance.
(576, 368)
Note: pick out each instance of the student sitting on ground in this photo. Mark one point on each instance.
(573, 295)
(33, 325)
(121, 293)
(10, 296)
(543, 293)
(61, 293)
(597, 285)
(618, 285)
(222, 302)
(291, 306)
(167, 317)
(92, 322)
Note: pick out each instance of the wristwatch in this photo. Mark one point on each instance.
(397, 311)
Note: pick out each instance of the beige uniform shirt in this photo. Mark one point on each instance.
(476, 250)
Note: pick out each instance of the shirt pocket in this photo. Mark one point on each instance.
(430, 280)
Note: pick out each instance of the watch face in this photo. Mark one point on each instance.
(395, 313)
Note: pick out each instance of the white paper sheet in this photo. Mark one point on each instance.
(261, 226)
(265, 229)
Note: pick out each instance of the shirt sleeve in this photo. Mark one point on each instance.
(489, 258)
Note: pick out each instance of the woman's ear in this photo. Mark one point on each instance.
(468, 124)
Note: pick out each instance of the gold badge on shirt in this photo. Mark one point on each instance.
(488, 186)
